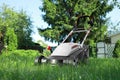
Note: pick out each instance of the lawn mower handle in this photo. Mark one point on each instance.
(75, 29)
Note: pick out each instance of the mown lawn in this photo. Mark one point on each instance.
(19, 65)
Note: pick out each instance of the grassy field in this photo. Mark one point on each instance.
(19, 65)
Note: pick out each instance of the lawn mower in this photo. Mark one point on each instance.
(68, 52)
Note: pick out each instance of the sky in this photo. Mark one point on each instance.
(32, 9)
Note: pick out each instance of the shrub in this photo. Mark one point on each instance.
(116, 52)
(10, 39)
(46, 53)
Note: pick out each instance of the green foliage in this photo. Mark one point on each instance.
(19, 23)
(46, 53)
(24, 31)
(116, 52)
(10, 39)
(63, 16)
(21, 53)
(42, 43)
(92, 49)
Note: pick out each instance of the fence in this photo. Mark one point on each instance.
(104, 50)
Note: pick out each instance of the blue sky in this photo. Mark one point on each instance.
(32, 9)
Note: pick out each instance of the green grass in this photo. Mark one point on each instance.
(19, 65)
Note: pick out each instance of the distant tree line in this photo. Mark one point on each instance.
(15, 30)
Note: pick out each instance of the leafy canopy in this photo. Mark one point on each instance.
(63, 15)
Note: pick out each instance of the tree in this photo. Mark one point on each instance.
(23, 30)
(17, 24)
(63, 16)
(116, 52)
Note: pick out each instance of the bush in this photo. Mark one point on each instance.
(10, 40)
(116, 52)
(22, 53)
(46, 53)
